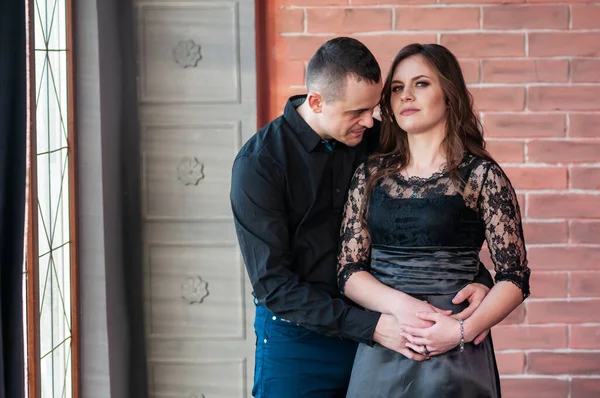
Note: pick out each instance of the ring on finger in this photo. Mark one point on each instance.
(425, 350)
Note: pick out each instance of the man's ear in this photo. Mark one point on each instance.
(314, 101)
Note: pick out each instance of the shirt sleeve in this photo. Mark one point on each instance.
(259, 210)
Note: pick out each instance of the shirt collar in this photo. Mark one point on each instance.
(307, 136)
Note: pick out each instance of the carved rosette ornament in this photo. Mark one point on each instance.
(187, 53)
(194, 290)
(190, 171)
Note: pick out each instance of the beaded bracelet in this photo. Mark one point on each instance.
(462, 335)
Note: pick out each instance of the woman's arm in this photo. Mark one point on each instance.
(501, 216)
(354, 277)
(371, 294)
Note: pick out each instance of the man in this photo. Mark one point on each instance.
(288, 191)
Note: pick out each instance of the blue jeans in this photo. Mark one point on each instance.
(294, 362)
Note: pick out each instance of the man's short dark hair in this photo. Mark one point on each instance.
(336, 59)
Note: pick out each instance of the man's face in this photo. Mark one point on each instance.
(346, 118)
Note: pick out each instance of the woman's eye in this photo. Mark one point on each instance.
(422, 84)
(397, 88)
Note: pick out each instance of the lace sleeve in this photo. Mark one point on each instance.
(355, 242)
(503, 230)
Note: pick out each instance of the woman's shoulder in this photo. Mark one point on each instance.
(477, 163)
(376, 162)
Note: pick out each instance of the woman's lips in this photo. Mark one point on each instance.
(408, 112)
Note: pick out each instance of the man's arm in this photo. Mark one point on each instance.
(261, 222)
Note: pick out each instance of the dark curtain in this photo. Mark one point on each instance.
(12, 194)
(120, 134)
(113, 356)
(131, 204)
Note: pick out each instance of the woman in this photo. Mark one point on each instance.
(416, 218)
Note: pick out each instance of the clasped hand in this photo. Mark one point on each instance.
(436, 331)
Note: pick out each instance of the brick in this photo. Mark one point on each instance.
(563, 363)
(300, 48)
(348, 20)
(284, 93)
(572, 44)
(585, 178)
(498, 98)
(584, 337)
(538, 387)
(484, 45)
(291, 73)
(537, 177)
(390, 2)
(521, 201)
(563, 151)
(548, 284)
(525, 71)
(578, 98)
(507, 151)
(470, 70)
(481, 1)
(545, 232)
(585, 231)
(564, 257)
(438, 18)
(529, 337)
(586, 16)
(306, 3)
(385, 47)
(510, 362)
(558, 1)
(526, 17)
(585, 388)
(515, 125)
(581, 311)
(585, 70)
(584, 125)
(514, 318)
(585, 284)
(291, 20)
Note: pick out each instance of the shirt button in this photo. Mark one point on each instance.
(265, 341)
(274, 318)
(337, 190)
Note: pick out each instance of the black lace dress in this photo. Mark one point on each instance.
(424, 238)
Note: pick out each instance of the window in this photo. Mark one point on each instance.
(51, 324)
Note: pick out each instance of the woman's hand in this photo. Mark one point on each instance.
(439, 338)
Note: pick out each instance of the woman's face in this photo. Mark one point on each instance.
(417, 98)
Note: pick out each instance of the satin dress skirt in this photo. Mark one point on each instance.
(382, 373)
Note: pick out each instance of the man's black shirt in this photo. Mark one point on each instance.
(288, 193)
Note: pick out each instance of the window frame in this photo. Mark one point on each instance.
(31, 241)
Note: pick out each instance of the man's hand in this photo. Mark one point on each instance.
(406, 309)
(387, 333)
(474, 293)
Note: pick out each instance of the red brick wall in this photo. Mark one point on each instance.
(534, 69)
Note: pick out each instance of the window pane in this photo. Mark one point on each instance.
(53, 198)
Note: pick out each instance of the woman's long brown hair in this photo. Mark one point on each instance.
(464, 132)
